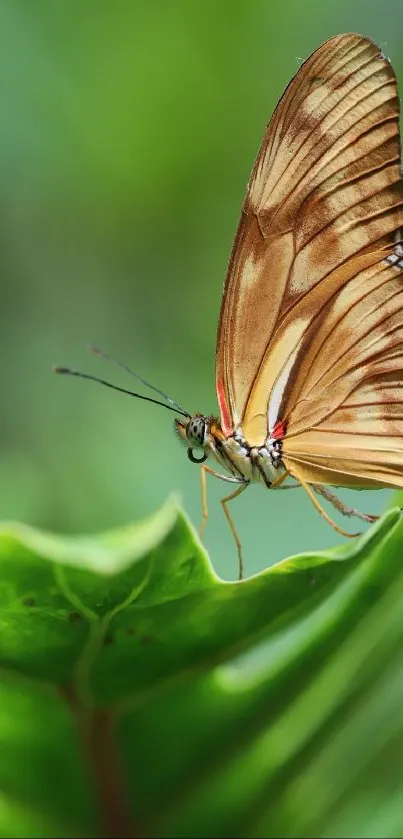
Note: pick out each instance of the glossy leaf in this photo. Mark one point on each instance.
(143, 696)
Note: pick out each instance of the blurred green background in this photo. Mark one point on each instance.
(128, 132)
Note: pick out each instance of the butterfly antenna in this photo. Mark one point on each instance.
(67, 371)
(144, 382)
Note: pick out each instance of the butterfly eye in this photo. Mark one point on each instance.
(196, 431)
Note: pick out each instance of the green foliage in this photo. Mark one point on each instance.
(143, 696)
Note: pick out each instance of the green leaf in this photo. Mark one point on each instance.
(143, 696)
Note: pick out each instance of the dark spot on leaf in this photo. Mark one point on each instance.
(29, 601)
(108, 640)
(189, 561)
(147, 640)
(74, 617)
(130, 630)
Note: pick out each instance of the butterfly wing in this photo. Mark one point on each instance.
(345, 426)
(323, 211)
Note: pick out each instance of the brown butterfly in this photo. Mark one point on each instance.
(309, 359)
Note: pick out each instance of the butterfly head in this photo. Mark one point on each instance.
(194, 433)
(198, 432)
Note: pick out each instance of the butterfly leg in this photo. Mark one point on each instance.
(340, 506)
(277, 483)
(203, 473)
(310, 491)
(224, 502)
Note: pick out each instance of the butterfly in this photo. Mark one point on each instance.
(309, 355)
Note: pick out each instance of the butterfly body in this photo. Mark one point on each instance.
(244, 463)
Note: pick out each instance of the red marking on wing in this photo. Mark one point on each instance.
(225, 414)
(279, 430)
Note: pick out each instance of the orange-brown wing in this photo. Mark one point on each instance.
(323, 205)
(345, 426)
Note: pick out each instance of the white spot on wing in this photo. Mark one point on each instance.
(278, 391)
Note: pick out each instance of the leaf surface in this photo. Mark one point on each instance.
(143, 696)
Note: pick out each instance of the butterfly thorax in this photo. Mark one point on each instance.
(262, 464)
